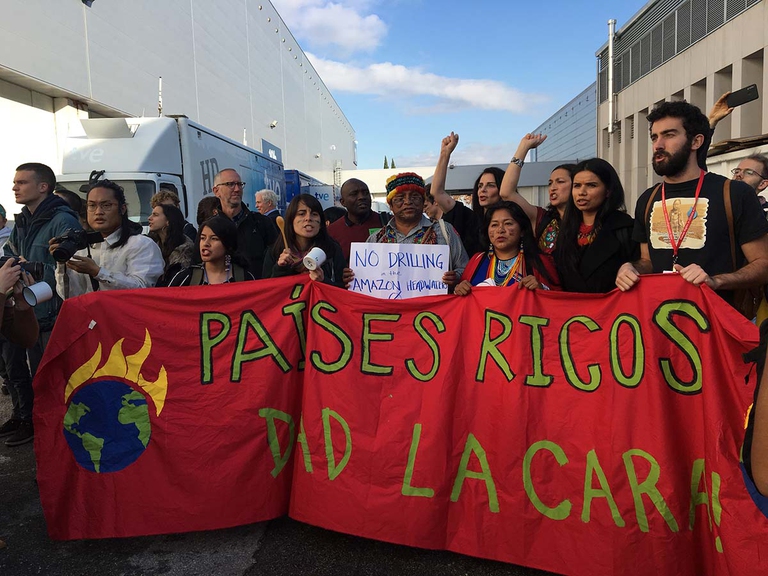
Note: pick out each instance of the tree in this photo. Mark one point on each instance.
(386, 164)
(392, 164)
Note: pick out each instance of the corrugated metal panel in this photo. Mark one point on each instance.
(733, 7)
(656, 41)
(698, 20)
(635, 59)
(665, 30)
(683, 26)
(668, 42)
(645, 55)
(602, 85)
(715, 14)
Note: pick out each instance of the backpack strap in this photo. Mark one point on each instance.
(196, 279)
(444, 231)
(729, 217)
(650, 202)
(238, 273)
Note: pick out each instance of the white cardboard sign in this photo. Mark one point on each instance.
(398, 271)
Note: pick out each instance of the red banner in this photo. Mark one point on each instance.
(581, 434)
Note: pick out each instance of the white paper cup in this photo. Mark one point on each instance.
(314, 259)
(37, 293)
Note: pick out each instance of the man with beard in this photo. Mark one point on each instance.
(712, 209)
(360, 221)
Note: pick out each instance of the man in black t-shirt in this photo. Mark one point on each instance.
(682, 224)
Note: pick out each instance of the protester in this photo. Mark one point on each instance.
(333, 213)
(17, 323)
(207, 208)
(304, 230)
(695, 239)
(19, 330)
(124, 259)
(595, 236)
(756, 440)
(255, 232)
(166, 228)
(43, 216)
(545, 221)
(360, 221)
(74, 201)
(409, 225)
(431, 207)
(168, 196)
(5, 231)
(513, 256)
(463, 219)
(221, 263)
(266, 203)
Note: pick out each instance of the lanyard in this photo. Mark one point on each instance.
(691, 216)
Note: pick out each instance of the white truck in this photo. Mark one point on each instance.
(143, 154)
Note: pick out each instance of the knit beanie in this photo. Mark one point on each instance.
(403, 183)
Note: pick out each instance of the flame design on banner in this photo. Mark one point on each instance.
(118, 365)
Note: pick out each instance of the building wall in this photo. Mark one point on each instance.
(728, 58)
(570, 131)
(231, 65)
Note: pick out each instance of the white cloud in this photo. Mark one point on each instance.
(333, 24)
(396, 81)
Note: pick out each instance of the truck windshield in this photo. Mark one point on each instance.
(138, 193)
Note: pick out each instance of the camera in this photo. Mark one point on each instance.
(73, 240)
(34, 269)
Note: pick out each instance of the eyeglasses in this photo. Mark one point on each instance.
(105, 206)
(747, 172)
(413, 198)
(231, 184)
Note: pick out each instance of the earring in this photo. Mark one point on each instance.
(227, 260)
(521, 245)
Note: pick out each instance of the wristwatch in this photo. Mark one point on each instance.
(517, 161)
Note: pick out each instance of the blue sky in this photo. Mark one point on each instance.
(407, 72)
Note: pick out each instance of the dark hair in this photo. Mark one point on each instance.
(567, 246)
(43, 173)
(568, 168)
(498, 175)
(226, 231)
(694, 120)
(73, 199)
(206, 208)
(527, 240)
(333, 213)
(762, 160)
(322, 240)
(175, 234)
(127, 227)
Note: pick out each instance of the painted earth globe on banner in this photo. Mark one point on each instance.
(107, 426)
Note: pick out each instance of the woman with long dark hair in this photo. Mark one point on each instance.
(512, 257)
(217, 244)
(124, 258)
(485, 191)
(545, 221)
(166, 228)
(595, 236)
(305, 229)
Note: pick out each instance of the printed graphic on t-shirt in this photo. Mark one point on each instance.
(679, 210)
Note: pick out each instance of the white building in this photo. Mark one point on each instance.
(231, 65)
(680, 49)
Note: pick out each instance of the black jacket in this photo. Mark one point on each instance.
(333, 267)
(601, 260)
(255, 233)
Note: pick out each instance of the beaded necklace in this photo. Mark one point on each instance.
(505, 272)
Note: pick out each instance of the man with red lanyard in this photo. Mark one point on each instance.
(683, 225)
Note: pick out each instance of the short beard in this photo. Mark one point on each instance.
(674, 164)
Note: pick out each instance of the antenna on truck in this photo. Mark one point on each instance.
(160, 97)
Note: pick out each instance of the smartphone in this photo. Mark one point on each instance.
(742, 96)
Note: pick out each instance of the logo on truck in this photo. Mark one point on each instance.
(210, 168)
